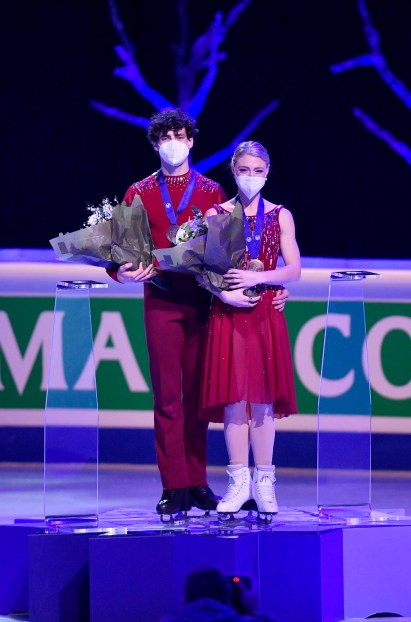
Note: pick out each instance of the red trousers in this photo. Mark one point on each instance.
(175, 329)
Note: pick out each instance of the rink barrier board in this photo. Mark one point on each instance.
(26, 318)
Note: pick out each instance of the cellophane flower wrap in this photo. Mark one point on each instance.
(224, 249)
(131, 240)
(110, 238)
(211, 254)
(188, 254)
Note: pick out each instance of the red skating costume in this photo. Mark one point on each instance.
(175, 323)
(247, 351)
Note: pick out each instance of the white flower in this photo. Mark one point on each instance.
(192, 228)
(100, 213)
(93, 219)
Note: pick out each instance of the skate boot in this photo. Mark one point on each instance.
(238, 491)
(202, 497)
(263, 491)
(173, 505)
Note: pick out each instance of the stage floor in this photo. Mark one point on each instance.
(137, 489)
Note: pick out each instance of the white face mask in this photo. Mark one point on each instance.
(250, 185)
(173, 152)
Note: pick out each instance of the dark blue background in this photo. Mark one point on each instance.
(349, 193)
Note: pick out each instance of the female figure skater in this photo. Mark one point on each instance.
(248, 378)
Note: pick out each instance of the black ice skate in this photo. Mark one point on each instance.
(173, 505)
(202, 497)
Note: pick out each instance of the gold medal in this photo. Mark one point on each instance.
(171, 234)
(250, 292)
(256, 265)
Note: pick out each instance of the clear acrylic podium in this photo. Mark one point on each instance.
(71, 413)
(344, 403)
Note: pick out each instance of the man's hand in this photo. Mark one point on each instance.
(280, 299)
(125, 275)
(236, 298)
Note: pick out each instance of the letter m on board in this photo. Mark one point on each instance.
(21, 363)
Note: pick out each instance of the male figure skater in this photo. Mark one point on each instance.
(175, 317)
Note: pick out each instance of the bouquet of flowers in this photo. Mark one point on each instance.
(113, 235)
(131, 240)
(209, 254)
(192, 228)
(224, 249)
(188, 254)
(101, 213)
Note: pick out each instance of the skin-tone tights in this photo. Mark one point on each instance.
(241, 432)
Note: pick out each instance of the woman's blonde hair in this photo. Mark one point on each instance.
(250, 147)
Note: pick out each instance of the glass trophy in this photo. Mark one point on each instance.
(344, 403)
(71, 413)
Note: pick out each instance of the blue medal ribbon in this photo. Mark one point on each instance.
(253, 239)
(172, 215)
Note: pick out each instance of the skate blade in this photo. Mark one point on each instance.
(226, 517)
(249, 506)
(177, 518)
(266, 517)
(232, 517)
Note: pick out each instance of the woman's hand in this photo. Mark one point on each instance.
(125, 275)
(242, 279)
(236, 298)
(281, 297)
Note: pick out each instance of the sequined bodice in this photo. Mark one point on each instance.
(205, 194)
(270, 238)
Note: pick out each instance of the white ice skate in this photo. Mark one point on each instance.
(238, 491)
(263, 490)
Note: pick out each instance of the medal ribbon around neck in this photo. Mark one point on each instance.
(254, 241)
(172, 215)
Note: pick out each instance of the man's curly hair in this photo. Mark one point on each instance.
(170, 119)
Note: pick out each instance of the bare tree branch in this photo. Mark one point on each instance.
(226, 152)
(401, 148)
(210, 43)
(120, 115)
(235, 12)
(130, 70)
(203, 55)
(375, 59)
(197, 102)
(185, 79)
(119, 26)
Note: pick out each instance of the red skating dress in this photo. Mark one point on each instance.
(247, 352)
